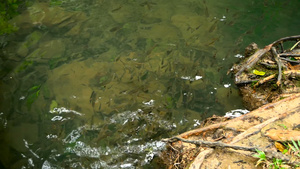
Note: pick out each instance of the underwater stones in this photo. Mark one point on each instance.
(196, 28)
(74, 30)
(157, 31)
(19, 136)
(40, 14)
(47, 50)
(150, 20)
(30, 42)
(53, 49)
(226, 95)
(125, 14)
(96, 43)
(189, 25)
(23, 50)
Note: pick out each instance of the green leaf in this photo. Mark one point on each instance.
(260, 73)
(295, 144)
(34, 88)
(53, 105)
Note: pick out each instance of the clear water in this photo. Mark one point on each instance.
(97, 83)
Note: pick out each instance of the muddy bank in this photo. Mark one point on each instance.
(213, 144)
(265, 137)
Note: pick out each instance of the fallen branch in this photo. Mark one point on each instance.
(289, 60)
(276, 57)
(258, 54)
(289, 55)
(289, 38)
(264, 80)
(295, 73)
(246, 82)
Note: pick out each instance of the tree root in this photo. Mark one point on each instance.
(269, 154)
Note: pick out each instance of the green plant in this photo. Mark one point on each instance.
(8, 9)
(262, 157)
(33, 94)
(284, 126)
(56, 2)
(276, 164)
(295, 147)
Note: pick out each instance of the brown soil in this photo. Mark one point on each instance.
(249, 130)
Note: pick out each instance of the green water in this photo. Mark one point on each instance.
(97, 83)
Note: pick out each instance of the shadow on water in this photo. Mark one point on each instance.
(97, 84)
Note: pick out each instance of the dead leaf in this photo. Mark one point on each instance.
(279, 146)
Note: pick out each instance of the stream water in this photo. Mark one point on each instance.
(98, 83)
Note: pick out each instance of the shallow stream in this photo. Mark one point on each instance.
(98, 83)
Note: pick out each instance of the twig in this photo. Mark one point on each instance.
(289, 38)
(258, 54)
(296, 44)
(215, 144)
(292, 73)
(289, 60)
(264, 80)
(246, 82)
(276, 57)
(269, 66)
(289, 55)
(281, 47)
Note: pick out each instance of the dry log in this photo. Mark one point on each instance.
(283, 135)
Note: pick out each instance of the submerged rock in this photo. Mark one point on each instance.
(30, 42)
(40, 15)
